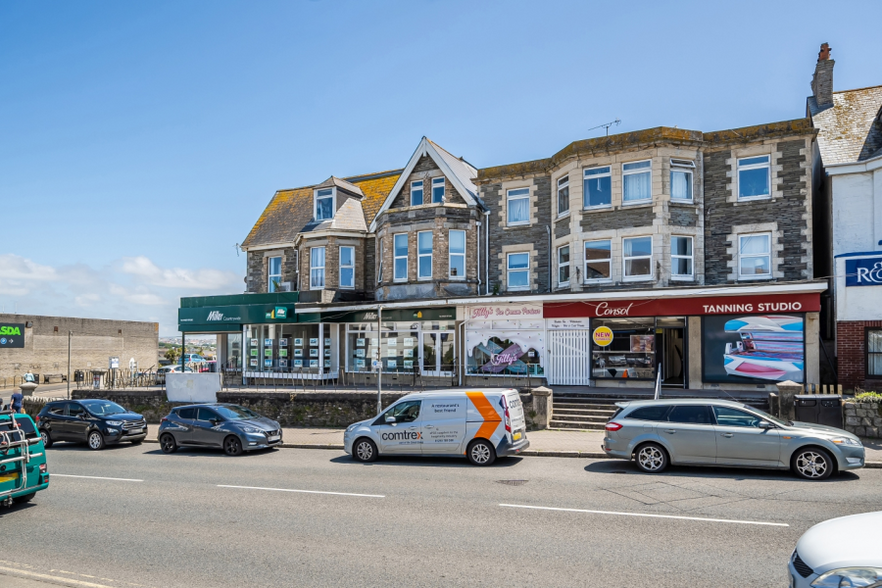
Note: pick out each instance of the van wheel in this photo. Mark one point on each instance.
(651, 458)
(812, 463)
(232, 445)
(364, 450)
(96, 440)
(47, 440)
(167, 443)
(481, 453)
(25, 498)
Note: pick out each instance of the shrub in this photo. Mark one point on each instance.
(868, 397)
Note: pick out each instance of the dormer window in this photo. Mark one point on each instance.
(438, 190)
(416, 193)
(324, 204)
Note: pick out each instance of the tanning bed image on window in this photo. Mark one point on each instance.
(771, 348)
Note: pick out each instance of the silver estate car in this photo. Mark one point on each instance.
(656, 433)
(840, 552)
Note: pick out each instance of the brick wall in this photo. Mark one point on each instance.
(851, 355)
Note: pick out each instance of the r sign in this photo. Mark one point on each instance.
(863, 272)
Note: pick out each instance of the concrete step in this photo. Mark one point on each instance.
(588, 418)
(556, 424)
(582, 412)
(585, 406)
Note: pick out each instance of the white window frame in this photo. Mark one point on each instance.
(395, 277)
(313, 268)
(741, 256)
(752, 166)
(684, 166)
(596, 173)
(316, 198)
(421, 188)
(451, 255)
(439, 182)
(631, 172)
(509, 198)
(608, 260)
(342, 267)
(563, 182)
(509, 271)
(560, 266)
(430, 254)
(691, 257)
(625, 276)
(269, 275)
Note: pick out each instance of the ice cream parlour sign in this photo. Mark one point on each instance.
(504, 311)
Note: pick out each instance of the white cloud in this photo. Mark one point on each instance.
(150, 273)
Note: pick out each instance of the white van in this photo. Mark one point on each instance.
(480, 424)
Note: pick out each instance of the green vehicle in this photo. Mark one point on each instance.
(23, 469)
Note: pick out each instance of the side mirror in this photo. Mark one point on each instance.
(214, 422)
(765, 425)
(82, 416)
(390, 419)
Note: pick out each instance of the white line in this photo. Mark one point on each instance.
(48, 578)
(302, 491)
(653, 516)
(51, 475)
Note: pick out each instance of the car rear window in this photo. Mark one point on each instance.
(699, 415)
(649, 413)
(186, 413)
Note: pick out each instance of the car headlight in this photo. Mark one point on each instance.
(849, 577)
(845, 441)
(114, 423)
(252, 430)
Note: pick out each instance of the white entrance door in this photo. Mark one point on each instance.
(437, 353)
(569, 357)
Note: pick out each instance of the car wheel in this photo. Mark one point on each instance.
(364, 450)
(25, 498)
(812, 463)
(47, 440)
(167, 443)
(651, 458)
(95, 440)
(481, 453)
(232, 445)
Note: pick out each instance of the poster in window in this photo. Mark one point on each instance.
(283, 353)
(359, 363)
(313, 353)
(359, 342)
(327, 353)
(298, 353)
(254, 362)
(327, 363)
(642, 343)
(254, 342)
(391, 364)
(283, 363)
(313, 342)
(298, 342)
(392, 342)
(267, 342)
(408, 364)
(752, 349)
(254, 352)
(267, 363)
(283, 342)
(408, 341)
(408, 352)
(298, 363)
(268, 352)
(313, 363)
(391, 353)
(327, 342)
(359, 353)
(374, 353)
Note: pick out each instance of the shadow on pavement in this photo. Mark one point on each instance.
(435, 462)
(211, 452)
(81, 446)
(737, 474)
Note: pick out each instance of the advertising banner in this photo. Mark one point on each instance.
(12, 335)
(694, 306)
(863, 272)
(753, 349)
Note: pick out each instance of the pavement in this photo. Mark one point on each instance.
(133, 517)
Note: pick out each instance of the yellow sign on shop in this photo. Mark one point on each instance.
(603, 336)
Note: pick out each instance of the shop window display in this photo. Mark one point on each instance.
(505, 348)
(630, 354)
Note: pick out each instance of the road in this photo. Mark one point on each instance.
(132, 516)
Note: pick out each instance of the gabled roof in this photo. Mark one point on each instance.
(850, 129)
(335, 182)
(460, 173)
(289, 212)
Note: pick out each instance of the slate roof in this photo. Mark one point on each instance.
(289, 212)
(462, 169)
(850, 130)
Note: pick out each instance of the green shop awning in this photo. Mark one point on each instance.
(225, 314)
(396, 315)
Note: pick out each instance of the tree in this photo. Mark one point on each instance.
(173, 354)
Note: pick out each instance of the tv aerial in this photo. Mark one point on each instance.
(606, 126)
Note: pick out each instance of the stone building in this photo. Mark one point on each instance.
(93, 341)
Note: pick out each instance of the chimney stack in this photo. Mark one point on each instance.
(822, 82)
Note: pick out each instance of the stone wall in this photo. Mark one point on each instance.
(257, 271)
(93, 342)
(864, 419)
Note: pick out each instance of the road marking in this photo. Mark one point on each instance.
(51, 475)
(647, 515)
(55, 579)
(303, 491)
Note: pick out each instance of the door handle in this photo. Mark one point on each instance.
(728, 434)
(430, 426)
(670, 431)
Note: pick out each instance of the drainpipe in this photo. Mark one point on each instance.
(487, 252)
(548, 229)
(479, 257)
(379, 361)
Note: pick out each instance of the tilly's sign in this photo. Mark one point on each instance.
(863, 272)
(12, 335)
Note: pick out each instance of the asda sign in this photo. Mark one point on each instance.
(12, 335)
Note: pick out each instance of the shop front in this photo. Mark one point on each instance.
(414, 342)
(748, 341)
(504, 343)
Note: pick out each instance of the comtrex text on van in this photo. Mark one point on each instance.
(481, 425)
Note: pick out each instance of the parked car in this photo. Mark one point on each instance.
(193, 358)
(228, 426)
(24, 471)
(481, 425)
(95, 422)
(170, 369)
(656, 433)
(845, 551)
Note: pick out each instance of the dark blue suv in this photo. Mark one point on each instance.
(94, 422)
(228, 426)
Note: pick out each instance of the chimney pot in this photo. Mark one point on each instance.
(822, 82)
(824, 53)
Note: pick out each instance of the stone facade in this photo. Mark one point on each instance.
(93, 342)
(864, 419)
(257, 277)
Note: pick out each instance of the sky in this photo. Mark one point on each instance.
(140, 141)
